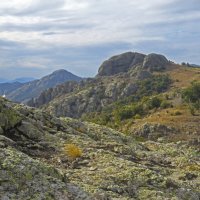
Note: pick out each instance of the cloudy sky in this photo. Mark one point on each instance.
(40, 36)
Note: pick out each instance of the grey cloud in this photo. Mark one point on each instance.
(169, 27)
(36, 6)
(83, 61)
(43, 27)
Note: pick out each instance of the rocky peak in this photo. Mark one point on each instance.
(123, 62)
(120, 63)
(155, 62)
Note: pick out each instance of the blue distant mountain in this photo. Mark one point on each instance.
(23, 80)
(3, 80)
(22, 89)
(19, 80)
(195, 65)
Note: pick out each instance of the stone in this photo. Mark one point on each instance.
(154, 131)
(120, 63)
(155, 62)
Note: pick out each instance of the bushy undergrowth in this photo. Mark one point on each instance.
(191, 95)
(136, 106)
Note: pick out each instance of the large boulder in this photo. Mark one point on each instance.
(25, 178)
(120, 63)
(155, 62)
(154, 131)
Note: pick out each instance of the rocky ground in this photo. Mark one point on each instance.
(33, 164)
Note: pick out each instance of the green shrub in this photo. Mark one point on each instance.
(191, 95)
(154, 102)
(164, 104)
(137, 116)
(177, 112)
(192, 110)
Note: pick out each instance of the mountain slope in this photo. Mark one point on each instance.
(6, 88)
(34, 88)
(112, 83)
(23, 79)
(147, 92)
(112, 165)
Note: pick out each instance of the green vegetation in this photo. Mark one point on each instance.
(136, 106)
(8, 117)
(191, 95)
(155, 84)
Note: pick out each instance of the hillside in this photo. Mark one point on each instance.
(34, 88)
(108, 86)
(123, 94)
(23, 79)
(135, 136)
(6, 88)
(111, 165)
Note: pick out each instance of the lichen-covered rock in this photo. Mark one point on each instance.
(24, 178)
(34, 165)
(154, 131)
(143, 75)
(155, 62)
(9, 118)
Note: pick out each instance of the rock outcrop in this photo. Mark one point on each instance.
(124, 62)
(92, 95)
(154, 131)
(48, 95)
(25, 135)
(120, 63)
(155, 62)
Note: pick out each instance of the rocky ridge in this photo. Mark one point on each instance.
(124, 62)
(117, 79)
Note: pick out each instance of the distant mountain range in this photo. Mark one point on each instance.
(19, 80)
(195, 65)
(22, 92)
(6, 88)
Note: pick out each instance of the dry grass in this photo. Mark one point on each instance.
(183, 76)
(72, 151)
(187, 123)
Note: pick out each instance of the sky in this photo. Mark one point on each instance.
(38, 37)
